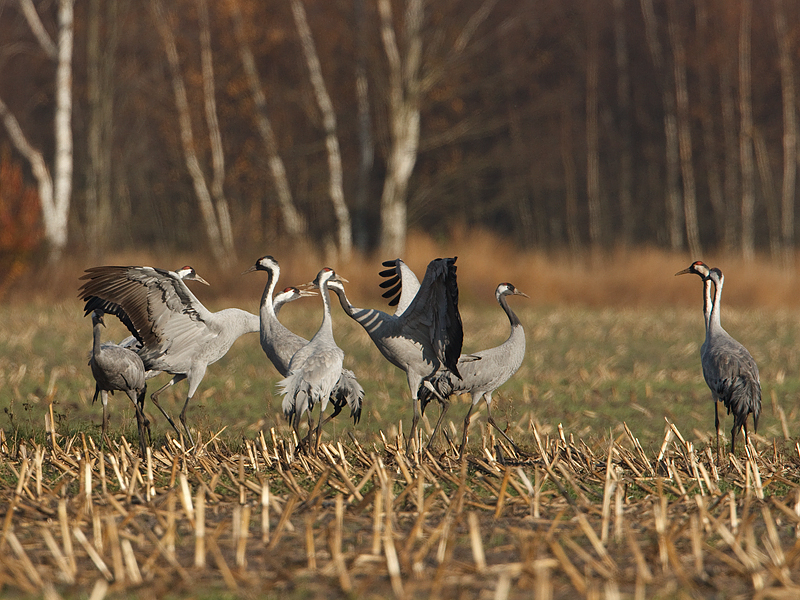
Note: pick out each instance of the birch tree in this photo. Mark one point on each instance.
(335, 187)
(222, 253)
(407, 87)
(54, 191)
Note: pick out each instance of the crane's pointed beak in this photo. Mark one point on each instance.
(341, 279)
(304, 292)
(250, 270)
(197, 277)
(684, 272)
(518, 293)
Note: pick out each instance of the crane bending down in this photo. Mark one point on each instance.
(480, 378)
(424, 335)
(316, 367)
(177, 333)
(728, 368)
(118, 369)
(280, 344)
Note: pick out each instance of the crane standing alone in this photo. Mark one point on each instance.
(316, 367)
(424, 335)
(117, 369)
(728, 368)
(280, 344)
(177, 333)
(482, 372)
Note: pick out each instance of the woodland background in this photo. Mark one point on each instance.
(558, 125)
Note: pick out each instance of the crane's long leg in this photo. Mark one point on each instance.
(445, 405)
(183, 419)
(716, 428)
(466, 427)
(104, 399)
(155, 395)
(414, 420)
(140, 420)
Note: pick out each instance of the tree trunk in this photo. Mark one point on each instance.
(673, 199)
(769, 194)
(625, 114)
(404, 117)
(710, 161)
(746, 134)
(592, 131)
(366, 145)
(729, 127)
(684, 134)
(336, 186)
(789, 134)
(570, 181)
(187, 137)
(214, 135)
(293, 220)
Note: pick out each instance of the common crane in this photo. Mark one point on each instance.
(178, 334)
(482, 372)
(728, 368)
(117, 369)
(280, 344)
(316, 367)
(424, 335)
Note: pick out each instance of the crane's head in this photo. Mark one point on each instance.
(716, 276)
(188, 273)
(265, 263)
(698, 267)
(291, 293)
(327, 276)
(97, 317)
(508, 289)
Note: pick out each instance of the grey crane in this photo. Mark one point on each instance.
(482, 372)
(316, 367)
(424, 335)
(728, 368)
(117, 369)
(280, 344)
(289, 294)
(177, 333)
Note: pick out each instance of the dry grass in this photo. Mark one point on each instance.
(362, 519)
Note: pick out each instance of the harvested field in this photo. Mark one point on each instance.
(360, 519)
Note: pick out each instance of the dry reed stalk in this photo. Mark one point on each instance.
(476, 542)
(311, 552)
(99, 590)
(336, 547)
(578, 580)
(502, 494)
(265, 512)
(93, 554)
(61, 561)
(30, 571)
(243, 534)
(131, 566)
(288, 508)
(377, 520)
(219, 559)
(608, 489)
(200, 529)
(116, 549)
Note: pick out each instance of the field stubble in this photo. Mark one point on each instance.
(617, 494)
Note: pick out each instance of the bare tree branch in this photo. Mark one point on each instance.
(37, 27)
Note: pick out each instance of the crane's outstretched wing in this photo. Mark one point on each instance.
(154, 304)
(434, 312)
(406, 285)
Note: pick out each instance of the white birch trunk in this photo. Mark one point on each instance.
(214, 135)
(187, 137)
(336, 185)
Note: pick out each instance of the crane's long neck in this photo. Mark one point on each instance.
(512, 317)
(369, 318)
(96, 339)
(707, 302)
(327, 321)
(267, 311)
(713, 319)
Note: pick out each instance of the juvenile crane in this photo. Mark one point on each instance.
(728, 368)
(117, 369)
(482, 372)
(177, 333)
(316, 367)
(424, 335)
(280, 344)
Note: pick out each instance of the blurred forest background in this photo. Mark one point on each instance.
(557, 125)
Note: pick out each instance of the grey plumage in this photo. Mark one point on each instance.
(728, 368)
(117, 369)
(481, 372)
(316, 367)
(424, 335)
(280, 344)
(177, 333)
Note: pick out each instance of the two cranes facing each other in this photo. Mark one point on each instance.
(728, 368)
